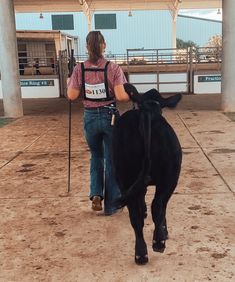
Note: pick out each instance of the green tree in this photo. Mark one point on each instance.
(181, 54)
(214, 48)
(180, 44)
(215, 41)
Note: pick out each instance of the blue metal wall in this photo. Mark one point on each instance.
(197, 30)
(148, 29)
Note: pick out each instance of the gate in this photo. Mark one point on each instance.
(164, 69)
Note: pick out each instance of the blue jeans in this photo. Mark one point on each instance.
(98, 132)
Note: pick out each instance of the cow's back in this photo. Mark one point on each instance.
(129, 150)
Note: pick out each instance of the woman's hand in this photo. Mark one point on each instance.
(72, 93)
(121, 94)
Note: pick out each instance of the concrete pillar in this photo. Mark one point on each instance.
(9, 63)
(228, 63)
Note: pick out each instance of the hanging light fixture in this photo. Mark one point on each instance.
(218, 11)
(130, 12)
(41, 16)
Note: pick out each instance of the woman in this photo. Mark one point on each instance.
(101, 83)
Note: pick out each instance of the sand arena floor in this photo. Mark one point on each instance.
(48, 235)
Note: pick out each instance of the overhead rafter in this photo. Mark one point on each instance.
(108, 5)
(87, 11)
(174, 8)
(85, 7)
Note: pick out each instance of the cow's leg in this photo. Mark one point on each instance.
(137, 214)
(158, 209)
(145, 208)
(164, 223)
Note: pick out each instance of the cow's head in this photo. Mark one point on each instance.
(151, 95)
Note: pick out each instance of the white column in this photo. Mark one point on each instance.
(228, 63)
(89, 22)
(9, 63)
(87, 12)
(174, 33)
(174, 9)
(89, 15)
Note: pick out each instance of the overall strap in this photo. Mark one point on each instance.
(104, 70)
(83, 78)
(106, 78)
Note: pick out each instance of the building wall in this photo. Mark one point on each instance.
(197, 30)
(148, 29)
(130, 32)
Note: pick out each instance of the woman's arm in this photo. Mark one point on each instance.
(73, 84)
(120, 93)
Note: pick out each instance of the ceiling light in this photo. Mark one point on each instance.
(41, 16)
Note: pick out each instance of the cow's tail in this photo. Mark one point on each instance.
(143, 178)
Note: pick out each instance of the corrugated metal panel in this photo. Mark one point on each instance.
(33, 22)
(197, 30)
(148, 29)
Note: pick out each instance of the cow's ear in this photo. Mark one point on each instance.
(130, 88)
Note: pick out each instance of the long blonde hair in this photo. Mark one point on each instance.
(94, 41)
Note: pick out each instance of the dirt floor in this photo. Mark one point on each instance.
(49, 235)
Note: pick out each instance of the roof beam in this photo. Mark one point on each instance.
(174, 8)
(87, 12)
(107, 5)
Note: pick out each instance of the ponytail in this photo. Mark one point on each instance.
(94, 41)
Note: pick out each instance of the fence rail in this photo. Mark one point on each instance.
(164, 56)
(31, 65)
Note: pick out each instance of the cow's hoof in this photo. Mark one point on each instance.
(141, 260)
(159, 246)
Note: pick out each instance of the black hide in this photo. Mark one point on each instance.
(146, 151)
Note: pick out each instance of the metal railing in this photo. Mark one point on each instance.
(38, 65)
(174, 55)
(164, 56)
(185, 60)
(119, 59)
(158, 58)
(31, 65)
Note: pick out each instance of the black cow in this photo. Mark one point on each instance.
(146, 151)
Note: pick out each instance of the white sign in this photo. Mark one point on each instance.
(95, 91)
